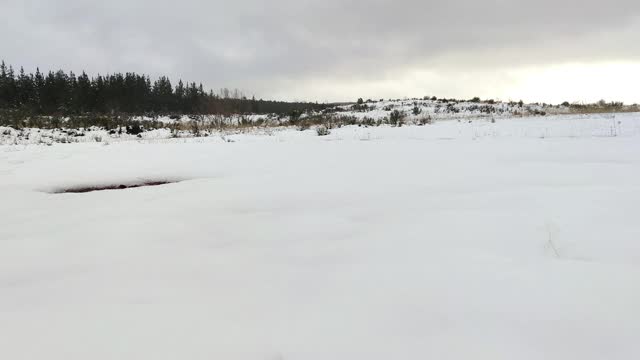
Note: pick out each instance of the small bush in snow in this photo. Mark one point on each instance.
(367, 121)
(396, 118)
(294, 116)
(134, 129)
(323, 131)
(425, 120)
(195, 128)
(303, 126)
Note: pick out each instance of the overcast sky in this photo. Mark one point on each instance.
(333, 50)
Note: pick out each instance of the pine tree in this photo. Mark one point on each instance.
(11, 89)
(3, 86)
(26, 91)
(59, 93)
(180, 97)
(83, 94)
(38, 82)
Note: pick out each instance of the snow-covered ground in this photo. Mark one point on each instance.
(510, 240)
(621, 124)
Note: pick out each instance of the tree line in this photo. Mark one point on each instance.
(61, 93)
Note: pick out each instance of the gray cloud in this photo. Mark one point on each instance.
(277, 47)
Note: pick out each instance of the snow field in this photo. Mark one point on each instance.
(509, 240)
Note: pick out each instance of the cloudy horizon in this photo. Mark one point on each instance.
(340, 50)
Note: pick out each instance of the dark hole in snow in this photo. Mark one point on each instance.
(86, 189)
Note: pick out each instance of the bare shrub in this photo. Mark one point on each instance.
(396, 118)
(425, 120)
(304, 125)
(323, 131)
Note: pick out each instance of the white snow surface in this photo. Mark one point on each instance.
(510, 240)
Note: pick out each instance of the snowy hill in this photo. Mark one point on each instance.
(396, 113)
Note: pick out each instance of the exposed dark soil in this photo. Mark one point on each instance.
(78, 190)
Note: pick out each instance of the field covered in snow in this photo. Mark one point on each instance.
(517, 239)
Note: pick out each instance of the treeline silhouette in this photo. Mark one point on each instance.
(61, 93)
